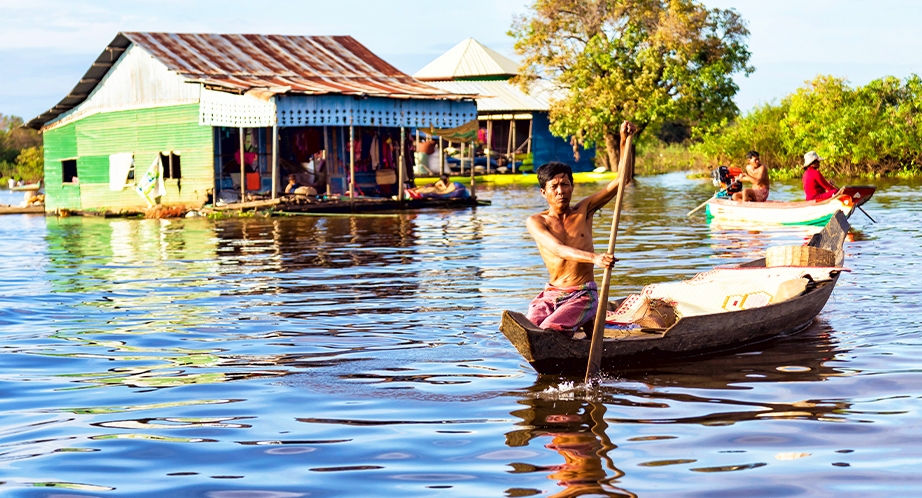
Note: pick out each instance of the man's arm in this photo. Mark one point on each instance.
(826, 184)
(547, 240)
(595, 201)
(749, 178)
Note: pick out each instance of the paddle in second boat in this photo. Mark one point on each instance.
(563, 234)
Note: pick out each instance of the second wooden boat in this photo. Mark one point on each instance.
(789, 213)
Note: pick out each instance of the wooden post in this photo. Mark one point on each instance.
(489, 142)
(509, 140)
(351, 160)
(441, 158)
(216, 137)
(327, 160)
(416, 156)
(514, 146)
(531, 122)
(243, 172)
(275, 159)
(473, 187)
(462, 158)
(401, 164)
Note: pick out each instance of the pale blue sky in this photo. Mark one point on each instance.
(47, 45)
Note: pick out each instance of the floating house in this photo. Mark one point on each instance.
(516, 121)
(188, 119)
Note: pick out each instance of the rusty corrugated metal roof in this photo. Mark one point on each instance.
(310, 65)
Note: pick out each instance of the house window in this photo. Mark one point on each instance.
(172, 167)
(69, 171)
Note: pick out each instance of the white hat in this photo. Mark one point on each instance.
(810, 157)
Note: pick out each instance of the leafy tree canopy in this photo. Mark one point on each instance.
(14, 139)
(866, 130)
(648, 61)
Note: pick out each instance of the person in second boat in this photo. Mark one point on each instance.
(563, 234)
(816, 187)
(757, 175)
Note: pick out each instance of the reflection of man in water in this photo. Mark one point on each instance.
(582, 472)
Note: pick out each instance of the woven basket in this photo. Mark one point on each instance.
(799, 256)
(386, 176)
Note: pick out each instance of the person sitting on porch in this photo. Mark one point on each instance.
(292, 184)
(443, 188)
(443, 185)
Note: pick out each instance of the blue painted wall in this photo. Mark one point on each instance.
(547, 147)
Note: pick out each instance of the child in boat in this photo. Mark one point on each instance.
(816, 187)
(563, 234)
(758, 176)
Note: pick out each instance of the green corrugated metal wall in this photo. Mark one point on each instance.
(60, 144)
(145, 132)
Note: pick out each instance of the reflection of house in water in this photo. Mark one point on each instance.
(355, 260)
(513, 120)
(130, 253)
(328, 247)
(224, 116)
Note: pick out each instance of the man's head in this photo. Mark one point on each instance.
(556, 180)
(444, 179)
(548, 171)
(291, 179)
(753, 157)
(812, 158)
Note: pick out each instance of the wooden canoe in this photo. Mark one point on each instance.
(789, 213)
(551, 352)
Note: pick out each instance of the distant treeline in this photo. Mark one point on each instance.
(872, 130)
(21, 153)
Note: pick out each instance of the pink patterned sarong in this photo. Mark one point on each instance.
(564, 309)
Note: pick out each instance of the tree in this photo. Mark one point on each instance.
(13, 139)
(30, 164)
(648, 61)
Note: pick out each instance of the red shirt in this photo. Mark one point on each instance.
(815, 184)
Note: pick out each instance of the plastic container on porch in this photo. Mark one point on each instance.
(253, 181)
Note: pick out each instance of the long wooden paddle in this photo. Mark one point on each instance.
(595, 348)
(701, 205)
(866, 214)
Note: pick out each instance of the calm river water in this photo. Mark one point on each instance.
(360, 356)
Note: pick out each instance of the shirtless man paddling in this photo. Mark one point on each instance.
(758, 176)
(564, 237)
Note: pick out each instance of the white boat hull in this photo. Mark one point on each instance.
(778, 213)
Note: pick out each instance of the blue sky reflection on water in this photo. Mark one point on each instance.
(354, 356)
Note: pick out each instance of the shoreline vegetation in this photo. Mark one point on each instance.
(869, 131)
(21, 152)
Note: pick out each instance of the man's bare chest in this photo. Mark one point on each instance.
(574, 230)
